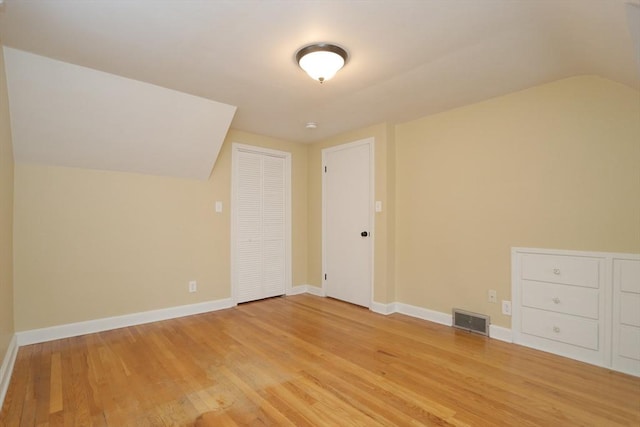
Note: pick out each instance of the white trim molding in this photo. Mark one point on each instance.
(35, 336)
(306, 289)
(500, 333)
(316, 290)
(381, 308)
(6, 369)
(424, 314)
(297, 290)
(496, 332)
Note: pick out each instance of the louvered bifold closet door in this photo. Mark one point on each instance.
(260, 258)
(273, 223)
(249, 228)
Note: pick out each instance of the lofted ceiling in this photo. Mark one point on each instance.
(408, 58)
(66, 115)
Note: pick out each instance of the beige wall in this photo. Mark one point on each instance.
(555, 166)
(6, 217)
(92, 244)
(384, 234)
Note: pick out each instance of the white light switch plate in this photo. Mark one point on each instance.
(378, 206)
(218, 207)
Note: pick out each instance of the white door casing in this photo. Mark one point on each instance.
(347, 200)
(260, 223)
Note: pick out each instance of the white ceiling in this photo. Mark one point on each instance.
(408, 58)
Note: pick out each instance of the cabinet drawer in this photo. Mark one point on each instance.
(628, 275)
(629, 345)
(565, 299)
(630, 309)
(560, 327)
(568, 270)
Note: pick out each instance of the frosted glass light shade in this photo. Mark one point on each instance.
(321, 61)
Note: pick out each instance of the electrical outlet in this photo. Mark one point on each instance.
(506, 307)
(492, 296)
(193, 286)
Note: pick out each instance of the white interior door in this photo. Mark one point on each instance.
(348, 222)
(261, 226)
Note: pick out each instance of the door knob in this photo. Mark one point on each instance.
(364, 234)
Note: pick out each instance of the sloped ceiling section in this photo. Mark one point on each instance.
(408, 58)
(68, 115)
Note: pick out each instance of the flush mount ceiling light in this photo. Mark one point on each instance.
(321, 60)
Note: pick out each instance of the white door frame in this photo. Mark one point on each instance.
(236, 148)
(370, 142)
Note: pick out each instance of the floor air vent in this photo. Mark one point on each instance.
(474, 322)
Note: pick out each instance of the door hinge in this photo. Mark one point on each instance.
(325, 276)
(325, 169)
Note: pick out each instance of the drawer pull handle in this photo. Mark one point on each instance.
(556, 329)
(556, 271)
(556, 300)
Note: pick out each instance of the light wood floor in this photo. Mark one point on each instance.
(302, 361)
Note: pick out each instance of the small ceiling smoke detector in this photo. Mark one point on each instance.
(321, 61)
(311, 125)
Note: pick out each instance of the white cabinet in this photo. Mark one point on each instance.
(626, 315)
(573, 300)
(582, 305)
(568, 270)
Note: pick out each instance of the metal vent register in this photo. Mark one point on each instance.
(473, 322)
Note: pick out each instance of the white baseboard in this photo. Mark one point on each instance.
(315, 290)
(496, 332)
(500, 333)
(381, 308)
(91, 326)
(424, 314)
(6, 368)
(298, 289)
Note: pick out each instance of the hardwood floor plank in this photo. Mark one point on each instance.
(42, 381)
(55, 389)
(276, 416)
(425, 409)
(307, 361)
(351, 350)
